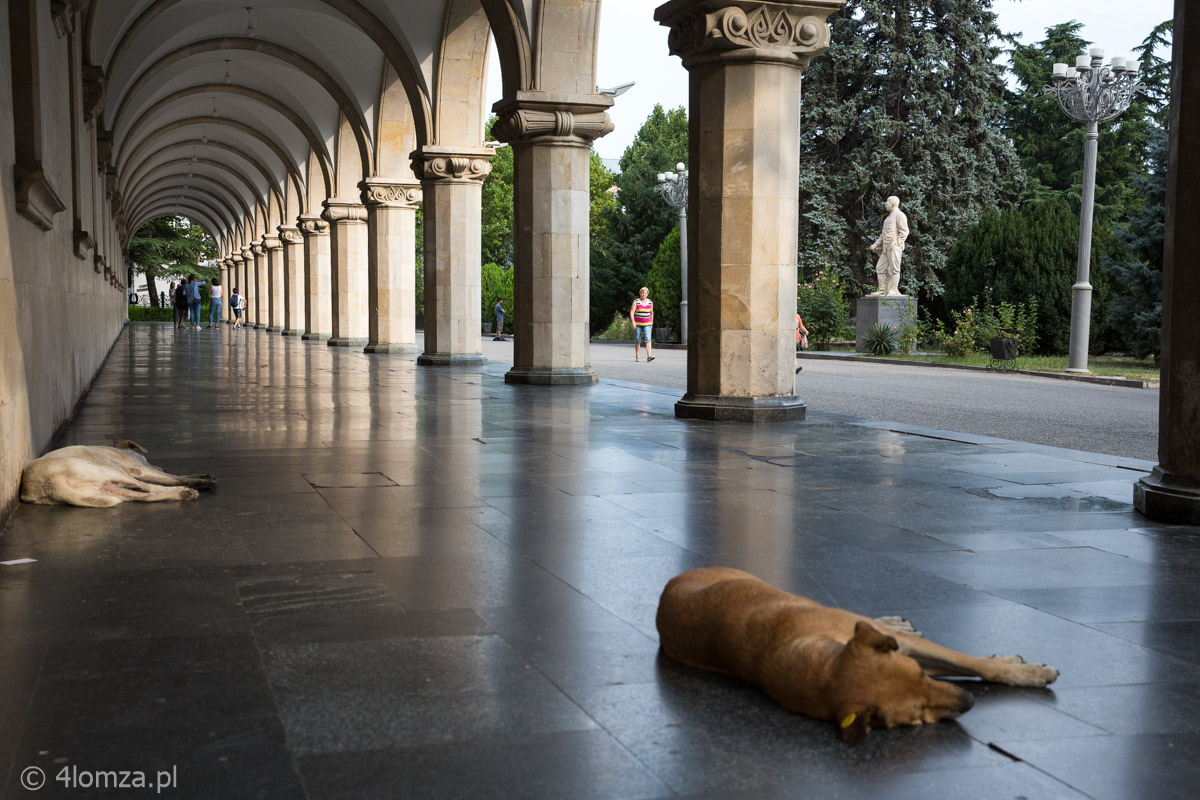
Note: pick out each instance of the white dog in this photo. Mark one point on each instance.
(104, 476)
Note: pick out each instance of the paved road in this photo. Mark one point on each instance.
(1076, 415)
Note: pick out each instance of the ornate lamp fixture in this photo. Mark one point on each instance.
(1090, 93)
(673, 186)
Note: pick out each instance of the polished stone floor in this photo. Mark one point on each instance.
(425, 583)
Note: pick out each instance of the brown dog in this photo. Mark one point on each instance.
(104, 476)
(823, 662)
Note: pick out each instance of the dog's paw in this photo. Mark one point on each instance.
(897, 625)
(203, 481)
(1017, 672)
(188, 494)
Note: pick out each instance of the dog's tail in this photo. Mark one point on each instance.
(128, 445)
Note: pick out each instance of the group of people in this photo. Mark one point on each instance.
(185, 297)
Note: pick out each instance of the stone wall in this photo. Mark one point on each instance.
(62, 275)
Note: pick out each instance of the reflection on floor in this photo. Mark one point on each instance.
(422, 582)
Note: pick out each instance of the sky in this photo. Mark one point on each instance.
(633, 47)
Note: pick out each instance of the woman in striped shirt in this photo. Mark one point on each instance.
(641, 316)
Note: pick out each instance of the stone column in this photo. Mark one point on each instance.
(348, 285)
(293, 280)
(452, 184)
(262, 286)
(1172, 491)
(551, 140)
(250, 287)
(223, 265)
(391, 265)
(274, 315)
(744, 61)
(317, 303)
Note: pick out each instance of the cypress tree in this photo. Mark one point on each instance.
(906, 102)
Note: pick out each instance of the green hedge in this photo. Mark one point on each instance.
(150, 314)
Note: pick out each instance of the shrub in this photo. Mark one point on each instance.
(822, 306)
(619, 329)
(880, 340)
(151, 314)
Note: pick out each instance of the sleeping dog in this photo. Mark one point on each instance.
(104, 476)
(823, 662)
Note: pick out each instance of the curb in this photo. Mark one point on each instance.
(1062, 376)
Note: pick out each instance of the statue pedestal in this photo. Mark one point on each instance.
(880, 308)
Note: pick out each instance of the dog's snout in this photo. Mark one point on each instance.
(967, 702)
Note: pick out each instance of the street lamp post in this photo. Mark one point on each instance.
(1091, 93)
(674, 189)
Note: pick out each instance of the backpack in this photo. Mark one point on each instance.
(235, 302)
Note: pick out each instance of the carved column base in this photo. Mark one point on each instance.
(452, 359)
(552, 376)
(392, 349)
(314, 337)
(721, 408)
(346, 341)
(291, 332)
(1168, 497)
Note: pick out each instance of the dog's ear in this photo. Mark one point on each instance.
(130, 445)
(866, 635)
(855, 723)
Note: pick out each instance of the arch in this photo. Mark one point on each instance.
(460, 72)
(171, 209)
(395, 50)
(511, 32)
(346, 180)
(218, 202)
(396, 136)
(277, 149)
(357, 122)
(310, 135)
(133, 168)
(151, 172)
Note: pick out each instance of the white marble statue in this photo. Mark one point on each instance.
(889, 246)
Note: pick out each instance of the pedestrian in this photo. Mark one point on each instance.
(641, 316)
(801, 336)
(235, 305)
(499, 309)
(216, 295)
(194, 300)
(180, 301)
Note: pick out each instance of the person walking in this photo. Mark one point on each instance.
(194, 300)
(180, 301)
(235, 306)
(801, 337)
(641, 316)
(216, 295)
(499, 309)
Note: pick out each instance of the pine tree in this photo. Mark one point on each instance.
(1136, 311)
(906, 102)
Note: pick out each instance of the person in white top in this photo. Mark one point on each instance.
(215, 294)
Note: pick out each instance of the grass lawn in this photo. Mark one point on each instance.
(1108, 366)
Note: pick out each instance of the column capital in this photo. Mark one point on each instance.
(337, 210)
(247, 253)
(270, 242)
(782, 31)
(258, 249)
(379, 193)
(290, 234)
(452, 164)
(312, 225)
(547, 118)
